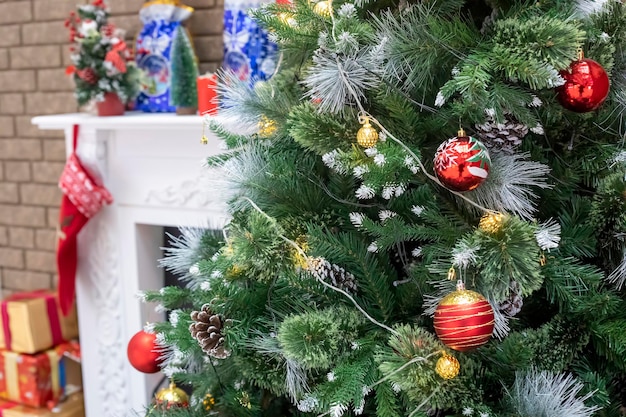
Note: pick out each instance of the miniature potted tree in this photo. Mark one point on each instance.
(183, 92)
(103, 69)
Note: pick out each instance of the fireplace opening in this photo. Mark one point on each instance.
(170, 279)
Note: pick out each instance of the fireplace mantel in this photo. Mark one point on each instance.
(153, 166)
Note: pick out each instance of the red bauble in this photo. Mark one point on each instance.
(143, 352)
(462, 163)
(464, 320)
(586, 86)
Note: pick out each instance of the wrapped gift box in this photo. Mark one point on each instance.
(207, 94)
(72, 407)
(32, 322)
(71, 370)
(34, 380)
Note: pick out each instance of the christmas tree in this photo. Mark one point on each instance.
(380, 260)
(101, 60)
(184, 72)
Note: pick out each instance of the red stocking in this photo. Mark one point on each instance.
(82, 199)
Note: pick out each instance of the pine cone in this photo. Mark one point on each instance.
(504, 137)
(207, 329)
(514, 303)
(88, 75)
(323, 270)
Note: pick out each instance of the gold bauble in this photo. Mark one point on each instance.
(367, 136)
(324, 8)
(447, 366)
(491, 223)
(172, 396)
(287, 18)
(267, 126)
(208, 402)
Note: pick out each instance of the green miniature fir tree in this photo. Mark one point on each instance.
(318, 298)
(183, 91)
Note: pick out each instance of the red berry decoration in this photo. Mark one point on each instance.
(586, 86)
(464, 320)
(143, 352)
(462, 163)
(88, 75)
(107, 30)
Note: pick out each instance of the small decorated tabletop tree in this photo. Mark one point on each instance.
(102, 68)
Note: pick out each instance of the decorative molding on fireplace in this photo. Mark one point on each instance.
(192, 193)
(102, 266)
(153, 165)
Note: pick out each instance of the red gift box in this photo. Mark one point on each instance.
(6, 405)
(72, 407)
(33, 380)
(207, 94)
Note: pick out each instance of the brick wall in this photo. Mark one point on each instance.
(33, 55)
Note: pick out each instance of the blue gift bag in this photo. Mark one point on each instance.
(247, 50)
(154, 43)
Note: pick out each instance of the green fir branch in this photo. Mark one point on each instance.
(351, 253)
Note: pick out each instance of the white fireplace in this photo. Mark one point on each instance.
(153, 166)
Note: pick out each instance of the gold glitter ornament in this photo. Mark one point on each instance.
(208, 402)
(171, 396)
(287, 18)
(367, 136)
(462, 297)
(447, 367)
(267, 127)
(491, 223)
(324, 8)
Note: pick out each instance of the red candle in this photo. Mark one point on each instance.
(207, 94)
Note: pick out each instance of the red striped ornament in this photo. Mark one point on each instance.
(464, 320)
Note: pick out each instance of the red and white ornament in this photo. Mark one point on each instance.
(464, 319)
(143, 352)
(586, 86)
(462, 163)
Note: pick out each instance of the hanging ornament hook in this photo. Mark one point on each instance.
(363, 117)
(451, 274)
(204, 140)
